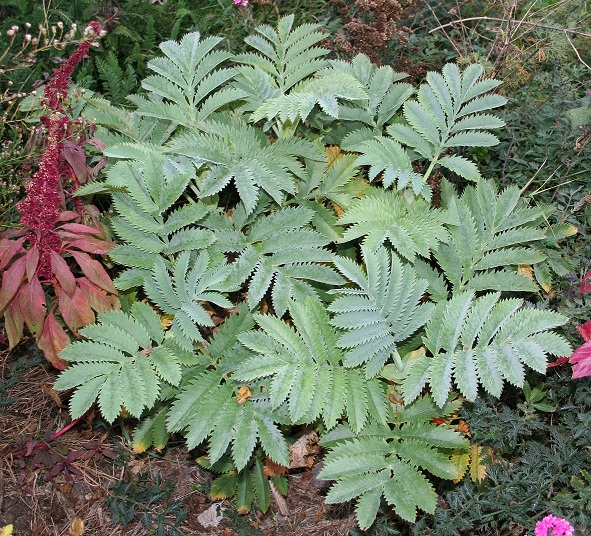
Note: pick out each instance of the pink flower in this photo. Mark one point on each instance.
(243, 3)
(554, 526)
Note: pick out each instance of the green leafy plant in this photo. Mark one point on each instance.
(277, 211)
(149, 498)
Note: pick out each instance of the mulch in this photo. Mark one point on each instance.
(39, 506)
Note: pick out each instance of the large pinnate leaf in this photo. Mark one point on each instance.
(384, 310)
(389, 461)
(290, 362)
(125, 359)
(483, 341)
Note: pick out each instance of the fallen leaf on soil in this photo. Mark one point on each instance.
(76, 527)
(6, 531)
(303, 451)
(211, 517)
(274, 469)
(279, 500)
(464, 428)
(136, 466)
(53, 394)
(526, 270)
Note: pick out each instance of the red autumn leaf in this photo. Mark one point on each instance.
(581, 359)
(76, 157)
(586, 283)
(97, 298)
(8, 249)
(92, 245)
(63, 273)
(94, 271)
(11, 281)
(97, 143)
(75, 310)
(68, 215)
(558, 362)
(52, 341)
(32, 262)
(79, 228)
(585, 330)
(13, 324)
(31, 302)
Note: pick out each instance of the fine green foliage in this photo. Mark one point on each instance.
(253, 189)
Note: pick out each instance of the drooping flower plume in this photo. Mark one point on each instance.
(40, 208)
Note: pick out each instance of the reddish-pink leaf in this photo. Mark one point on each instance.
(8, 249)
(92, 245)
(13, 324)
(52, 341)
(68, 311)
(79, 228)
(97, 143)
(98, 299)
(17, 232)
(11, 281)
(76, 157)
(586, 283)
(76, 313)
(585, 330)
(68, 215)
(63, 273)
(581, 359)
(82, 305)
(94, 271)
(560, 361)
(31, 302)
(32, 262)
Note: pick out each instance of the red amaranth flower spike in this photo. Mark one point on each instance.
(57, 90)
(49, 279)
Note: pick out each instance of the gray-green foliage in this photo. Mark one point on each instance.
(231, 197)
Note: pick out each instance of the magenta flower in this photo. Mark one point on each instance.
(243, 3)
(554, 526)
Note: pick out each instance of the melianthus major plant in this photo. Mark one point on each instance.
(277, 210)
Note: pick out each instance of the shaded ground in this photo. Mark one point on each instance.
(41, 507)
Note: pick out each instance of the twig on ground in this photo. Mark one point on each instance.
(279, 500)
(576, 51)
